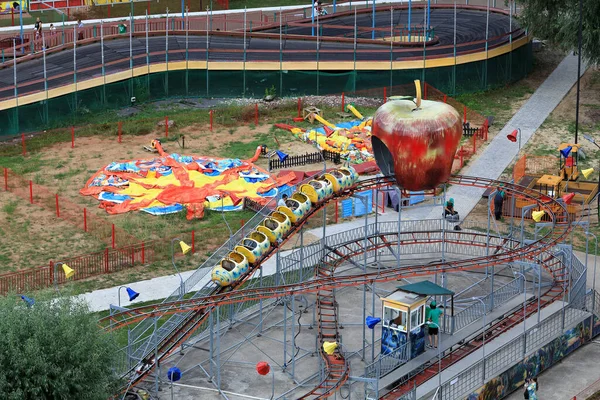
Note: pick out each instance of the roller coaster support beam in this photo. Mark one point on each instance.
(587, 232)
(523, 212)
(399, 192)
(487, 247)
(365, 201)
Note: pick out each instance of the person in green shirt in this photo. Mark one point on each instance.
(433, 322)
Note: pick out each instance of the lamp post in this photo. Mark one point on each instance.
(484, 325)
(230, 244)
(28, 300)
(524, 309)
(593, 141)
(130, 292)
(184, 249)
(69, 272)
(263, 368)
(515, 136)
(579, 39)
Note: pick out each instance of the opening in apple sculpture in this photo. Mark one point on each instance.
(416, 141)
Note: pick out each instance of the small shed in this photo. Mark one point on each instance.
(428, 288)
(403, 328)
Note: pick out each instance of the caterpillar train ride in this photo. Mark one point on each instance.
(275, 227)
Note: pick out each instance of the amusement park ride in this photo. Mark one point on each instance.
(239, 286)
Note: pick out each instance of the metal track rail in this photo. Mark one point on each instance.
(200, 308)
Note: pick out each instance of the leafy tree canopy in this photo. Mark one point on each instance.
(53, 350)
(558, 22)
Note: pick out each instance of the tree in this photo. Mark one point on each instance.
(54, 350)
(558, 22)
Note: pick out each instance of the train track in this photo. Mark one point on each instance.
(198, 309)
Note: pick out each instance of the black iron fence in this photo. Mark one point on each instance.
(304, 159)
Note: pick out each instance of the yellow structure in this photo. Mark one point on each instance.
(568, 165)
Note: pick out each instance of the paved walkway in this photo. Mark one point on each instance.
(577, 375)
(490, 164)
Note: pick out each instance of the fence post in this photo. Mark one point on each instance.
(6, 179)
(384, 94)
(474, 143)
(120, 130)
(445, 98)
(132, 256)
(23, 143)
(106, 260)
(57, 208)
(166, 126)
(343, 101)
(113, 235)
(72, 137)
(144, 252)
(461, 157)
(85, 219)
(211, 120)
(299, 107)
(255, 114)
(51, 273)
(31, 192)
(193, 241)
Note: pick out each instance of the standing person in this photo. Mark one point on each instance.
(433, 322)
(79, 30)
(498, 203)
(38, 28)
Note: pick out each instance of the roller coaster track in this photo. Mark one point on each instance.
(198, 309)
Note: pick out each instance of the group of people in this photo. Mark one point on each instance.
(37, 28)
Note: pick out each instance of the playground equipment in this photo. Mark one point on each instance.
(351, 139)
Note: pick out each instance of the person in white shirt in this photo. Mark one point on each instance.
(282, 200)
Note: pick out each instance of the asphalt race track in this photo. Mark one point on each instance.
(264, 45)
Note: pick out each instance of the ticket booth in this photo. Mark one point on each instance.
(403, 322)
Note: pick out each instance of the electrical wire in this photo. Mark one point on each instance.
(300, 312)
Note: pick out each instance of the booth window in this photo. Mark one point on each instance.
(394, 318)
(417, 317)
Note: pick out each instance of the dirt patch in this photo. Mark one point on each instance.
(31, 236)
(560, 125)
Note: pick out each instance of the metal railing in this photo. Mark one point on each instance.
(512, 352)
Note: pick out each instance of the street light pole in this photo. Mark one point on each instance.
(181, 285)
(578, 68)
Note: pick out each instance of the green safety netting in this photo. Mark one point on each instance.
(65, 110)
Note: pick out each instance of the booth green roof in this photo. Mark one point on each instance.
(427, 288)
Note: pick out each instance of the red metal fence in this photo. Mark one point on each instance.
(66, 210)
(94, 264)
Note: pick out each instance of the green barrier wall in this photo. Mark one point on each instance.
(67, 110)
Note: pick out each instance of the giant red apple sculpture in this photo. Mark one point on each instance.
(416, 144)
